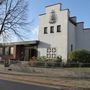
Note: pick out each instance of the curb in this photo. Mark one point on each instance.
(57, 87)
(40, 75)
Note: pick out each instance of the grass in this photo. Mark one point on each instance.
(81, 69)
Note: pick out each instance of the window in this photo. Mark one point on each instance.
(51, 52)
(45, 30)
(48, 55)
(59, 28)
(53, 55)
(52, 29)
(1, 51)
(7, 51)
(48, 52)
(71, 47)
(11, 50)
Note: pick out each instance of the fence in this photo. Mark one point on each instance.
(51, 64)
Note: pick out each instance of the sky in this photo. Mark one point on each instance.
(78, 8)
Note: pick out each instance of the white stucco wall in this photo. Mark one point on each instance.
(56, 39)
(71, 33)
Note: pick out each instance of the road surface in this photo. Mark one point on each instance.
(10, 85)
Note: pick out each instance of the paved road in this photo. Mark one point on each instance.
(9, 85)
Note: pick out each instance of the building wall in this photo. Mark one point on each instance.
(71, 37)
(56, 39)
(86, 41)
(79, 35)
(8, 52)
(83, 37)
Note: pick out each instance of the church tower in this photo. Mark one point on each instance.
(53, 32)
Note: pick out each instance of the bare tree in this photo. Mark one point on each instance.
(1, 1)
(13, 18)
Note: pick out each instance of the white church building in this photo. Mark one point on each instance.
(60, 34)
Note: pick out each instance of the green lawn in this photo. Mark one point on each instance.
(82, 69)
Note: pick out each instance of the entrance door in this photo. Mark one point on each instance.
(26, 56)
(29, 53)
(33, 52)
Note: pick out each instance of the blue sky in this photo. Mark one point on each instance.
(79, 8)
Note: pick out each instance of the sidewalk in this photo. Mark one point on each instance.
(37, 80)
